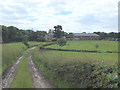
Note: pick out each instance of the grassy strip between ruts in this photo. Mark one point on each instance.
(23, 78)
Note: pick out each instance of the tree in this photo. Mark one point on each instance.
(71, 35)
(41, 39)
(26, 41)
(61, 42)
(58, 31)
(5, 34)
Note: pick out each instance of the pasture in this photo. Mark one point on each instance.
(89, 45)
(37, 43)
(79, 69)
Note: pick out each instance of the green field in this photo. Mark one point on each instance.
(12, 51)
(79, 69)
(37, 43)
(89, 45)
(62, 56)
(66, 69)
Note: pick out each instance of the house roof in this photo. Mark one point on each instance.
(85, 34)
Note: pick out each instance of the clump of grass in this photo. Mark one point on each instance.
(96, 45)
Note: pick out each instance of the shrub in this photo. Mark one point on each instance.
(61, 42)
(96, 45)
(54, 40)
(41, 39)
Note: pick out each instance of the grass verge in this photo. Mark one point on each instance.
(11, 52)
(51, 76)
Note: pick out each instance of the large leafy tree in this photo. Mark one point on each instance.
(58, 31)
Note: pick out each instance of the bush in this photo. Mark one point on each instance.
(85, 75)
(96, 45)
(61, 42)
(41, 39)
(54, 40)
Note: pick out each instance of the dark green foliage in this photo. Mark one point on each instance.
(41, 39)
(13, 34)
(26, 40)
(96, 45)
(70, 35)
(54, 40)
(86, 75)
(61, 42)
(111, 35)
(57, 32)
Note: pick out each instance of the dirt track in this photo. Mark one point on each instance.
(39, 81)
(9, 75)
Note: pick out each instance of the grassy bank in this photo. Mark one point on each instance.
(23, 78)
(89, 45)
(73, 69)
(11, 52)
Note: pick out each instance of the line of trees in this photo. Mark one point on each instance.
(111, 35)
(58, 33)
(13, 34)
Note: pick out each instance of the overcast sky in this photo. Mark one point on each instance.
(74, 15)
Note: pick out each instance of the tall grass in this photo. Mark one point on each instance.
(11, 52)
(74, 69)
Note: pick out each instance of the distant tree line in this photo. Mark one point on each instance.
(58, 33)
(13, 34)
(104, 35)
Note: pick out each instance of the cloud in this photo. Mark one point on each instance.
(77, 16)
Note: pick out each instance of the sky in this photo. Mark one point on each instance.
(73, 15)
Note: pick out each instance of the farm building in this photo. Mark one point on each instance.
(85, 36)
(50, 35)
